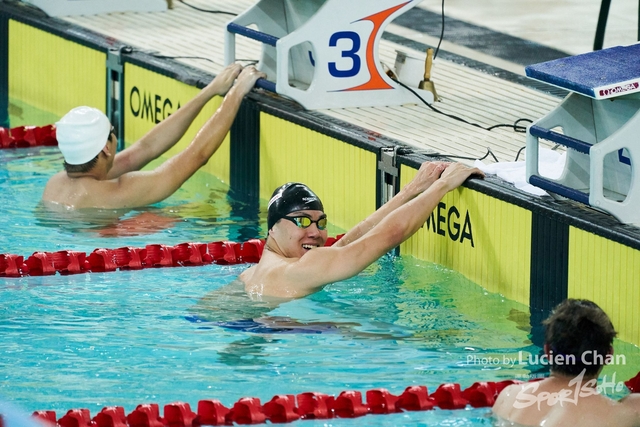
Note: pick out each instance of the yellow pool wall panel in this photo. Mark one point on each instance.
(342, 175)
(608, 273)
(54, 74)
(484, 238)
(151, 97)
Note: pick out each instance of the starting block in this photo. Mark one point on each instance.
(599, 123)
(323, 53)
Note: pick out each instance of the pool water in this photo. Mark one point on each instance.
(130, 337)
(123, 338)
(205, 214)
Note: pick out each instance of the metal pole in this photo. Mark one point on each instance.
(602, 24)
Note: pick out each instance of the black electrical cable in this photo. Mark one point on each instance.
(554, 148)
(208, 11)
(514, 126)
(435, 55)
(434, 108)
(183, 57)
(405, 151)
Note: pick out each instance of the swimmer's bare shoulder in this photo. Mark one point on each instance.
(64, 193)
(601, 412)
(632, 404)
(246, 276)
(259, 279)
(57, 192)
(268, 278)
(506, 400)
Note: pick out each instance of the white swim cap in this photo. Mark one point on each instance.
(81, 134)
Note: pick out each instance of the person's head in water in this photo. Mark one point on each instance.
(582, 330)
(296, 220)
(83, 134)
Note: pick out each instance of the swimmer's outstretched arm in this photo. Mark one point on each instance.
(168, 132)
(321, 266)
(141, 188)
(428, 173)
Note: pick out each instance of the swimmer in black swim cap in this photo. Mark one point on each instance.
(296, 262)
(291, 197)
(304, 225)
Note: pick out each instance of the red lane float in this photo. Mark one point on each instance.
(212, 412)
(314, 405)
(28, 136)
(633, 384)
(129, 258)
(415, 398)
(111, 416)
(286, 408)
(380, 401)
(76, 418)
(281, 409)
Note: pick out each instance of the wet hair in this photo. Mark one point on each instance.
(85, 167)
(579, 327)
(291, 197)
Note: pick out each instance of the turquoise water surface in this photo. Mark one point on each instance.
(130, 337)
(124, 338)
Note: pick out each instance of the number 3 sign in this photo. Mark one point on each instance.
(324, 53)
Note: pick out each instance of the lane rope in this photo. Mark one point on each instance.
(285, 408)
(131, 258)
(28, 136)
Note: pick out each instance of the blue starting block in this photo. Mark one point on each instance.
(323, 53)
(599, 123)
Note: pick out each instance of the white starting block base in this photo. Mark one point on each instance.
(324, 53)
(600, 126)
(95, 7)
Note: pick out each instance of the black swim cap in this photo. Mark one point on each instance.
(291, 197)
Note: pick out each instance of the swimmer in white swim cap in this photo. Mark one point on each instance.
(82, 133)
(96, 176)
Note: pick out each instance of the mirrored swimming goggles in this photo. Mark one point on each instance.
(305, 221)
